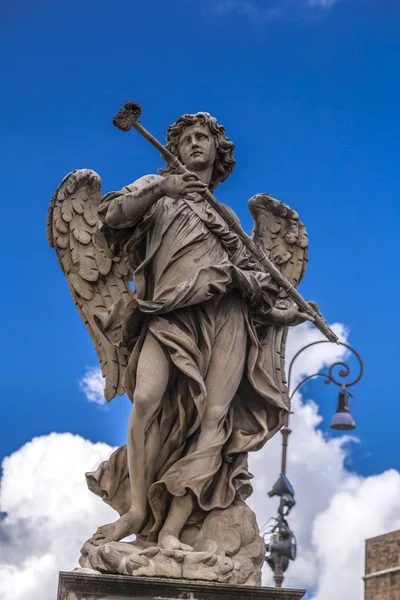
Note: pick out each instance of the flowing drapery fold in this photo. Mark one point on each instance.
(200, 295)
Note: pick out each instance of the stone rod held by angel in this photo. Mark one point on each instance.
(189, 317)
(128, 117)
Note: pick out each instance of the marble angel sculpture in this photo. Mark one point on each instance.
(185, 322)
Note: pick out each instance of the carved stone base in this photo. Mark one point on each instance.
(126, 559)
(227, 548)
(88, 586)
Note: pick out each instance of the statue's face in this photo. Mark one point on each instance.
(196, 147)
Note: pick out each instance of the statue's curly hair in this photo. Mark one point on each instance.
(224, 162)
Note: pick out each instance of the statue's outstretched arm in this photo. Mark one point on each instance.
(128, 209)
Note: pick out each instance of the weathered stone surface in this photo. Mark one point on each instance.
(89, 586)
(126, 559)
(199, 348)
(226, 549)
(382, 567)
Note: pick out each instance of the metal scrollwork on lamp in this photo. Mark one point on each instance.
(280, 541)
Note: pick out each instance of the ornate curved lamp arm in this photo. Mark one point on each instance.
(327, 380)
(330, 377)
(345, 372)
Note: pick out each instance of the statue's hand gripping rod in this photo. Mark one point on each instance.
(127, 118)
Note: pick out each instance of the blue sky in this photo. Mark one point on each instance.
(310, 96)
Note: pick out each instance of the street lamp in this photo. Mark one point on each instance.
(343, 420)
(281, 542)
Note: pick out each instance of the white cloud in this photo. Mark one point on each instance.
(50, 512)
(32, 576)
(321, 3)
(247, 8)
(258, 12)
(367, 509)
(92, 385)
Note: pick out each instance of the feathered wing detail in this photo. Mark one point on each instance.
(98, 284)
(280, 234)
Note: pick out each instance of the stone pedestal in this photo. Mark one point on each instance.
(89, 586)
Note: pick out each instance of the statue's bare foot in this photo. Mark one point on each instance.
(126, 525)
(171, 542)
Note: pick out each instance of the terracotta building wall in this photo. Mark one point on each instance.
(382, 567)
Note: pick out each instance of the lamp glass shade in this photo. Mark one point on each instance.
(343, 420)
(281, 487)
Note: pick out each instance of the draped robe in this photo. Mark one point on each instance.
(200, 294)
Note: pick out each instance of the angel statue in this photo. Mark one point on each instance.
(186, 323)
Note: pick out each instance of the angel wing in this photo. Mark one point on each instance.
(280, 234)
(98, 284)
